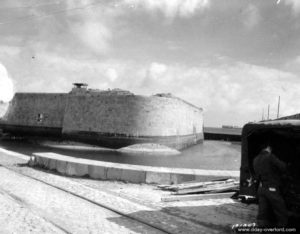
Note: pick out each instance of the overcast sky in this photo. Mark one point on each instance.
(230, 57)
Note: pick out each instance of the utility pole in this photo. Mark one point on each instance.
(268, 111)
(278, 107)
(263, 115)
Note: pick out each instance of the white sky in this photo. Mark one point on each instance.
(231, 57)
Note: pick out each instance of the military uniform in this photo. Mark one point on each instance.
(268, 171)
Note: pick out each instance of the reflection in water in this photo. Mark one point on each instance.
(208, 155)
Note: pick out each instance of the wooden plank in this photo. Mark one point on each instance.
(208, 187)
(196, 197)
(218, 188)
(205, 184)
(194, 184)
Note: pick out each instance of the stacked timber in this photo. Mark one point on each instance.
(201, 189)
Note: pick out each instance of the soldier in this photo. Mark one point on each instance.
(268, 172)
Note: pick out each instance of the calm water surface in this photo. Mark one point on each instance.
(208, 155)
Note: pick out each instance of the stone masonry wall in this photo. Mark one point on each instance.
(36, 109)
(131, 115)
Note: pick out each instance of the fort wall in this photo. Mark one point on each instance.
(131, 115)
(36, 110)
(113, 118)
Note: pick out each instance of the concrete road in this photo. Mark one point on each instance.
(30, 206)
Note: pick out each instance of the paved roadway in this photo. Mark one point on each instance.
(33, 201)
(31, 206)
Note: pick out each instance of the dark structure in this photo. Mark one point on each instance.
(284, 137)
(110, 118)
(295, 116)
(224, 133)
